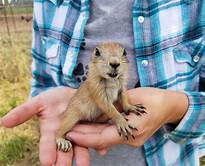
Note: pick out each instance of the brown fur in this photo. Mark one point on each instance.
(98, 93)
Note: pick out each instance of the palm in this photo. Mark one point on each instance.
(52, 104)
(49, 107)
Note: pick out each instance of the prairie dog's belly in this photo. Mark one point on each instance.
(90, 111)
(112, 90)
(86, 105)
(112, 94)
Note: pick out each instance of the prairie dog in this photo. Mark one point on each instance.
(106, 83)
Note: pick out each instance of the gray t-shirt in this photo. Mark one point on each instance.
(111, 20)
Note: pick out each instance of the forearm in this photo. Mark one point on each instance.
(189, 117)
(179, 103)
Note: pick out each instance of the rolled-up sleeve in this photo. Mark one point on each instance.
(192, 125)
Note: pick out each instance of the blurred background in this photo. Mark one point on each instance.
(18, 146)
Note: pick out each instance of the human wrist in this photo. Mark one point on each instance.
(179, 105)
(70, 91)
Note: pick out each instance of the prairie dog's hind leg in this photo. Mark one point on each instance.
(63, 144)
(69, 120)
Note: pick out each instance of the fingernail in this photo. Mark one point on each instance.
(69, 136)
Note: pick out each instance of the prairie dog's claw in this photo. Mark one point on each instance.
(124, 128)
(137, 109)
(63, 145)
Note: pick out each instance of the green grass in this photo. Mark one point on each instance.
(15, 72)
(18, 146)
(17, 10)
(202, 162)
(24, 10)
(10, 149)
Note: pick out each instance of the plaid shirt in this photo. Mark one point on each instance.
(170, 54)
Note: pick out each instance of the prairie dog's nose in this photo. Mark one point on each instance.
(114, 62)
(114, 65)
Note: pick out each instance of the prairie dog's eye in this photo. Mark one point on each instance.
(97, 52)
(124, 52)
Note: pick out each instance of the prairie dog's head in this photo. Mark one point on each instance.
(109, 60)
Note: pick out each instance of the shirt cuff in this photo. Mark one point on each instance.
(192, 126)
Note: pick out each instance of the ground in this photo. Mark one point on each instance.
(18, 146)
(19, 21)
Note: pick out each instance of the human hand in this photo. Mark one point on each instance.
(48, 106)
(162, 107)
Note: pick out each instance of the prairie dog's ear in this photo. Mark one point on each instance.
(97, 52)
(124, 52)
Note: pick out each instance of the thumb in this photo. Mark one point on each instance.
(21, 113)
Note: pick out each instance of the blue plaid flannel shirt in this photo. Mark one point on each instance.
(170, 54)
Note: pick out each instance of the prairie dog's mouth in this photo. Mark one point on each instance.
(113, 75)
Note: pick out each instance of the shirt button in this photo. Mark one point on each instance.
(196, 58)
(141, 19)
(166, 136)
(145, 62)
(43, 41)
(83, 43)
(82, 46)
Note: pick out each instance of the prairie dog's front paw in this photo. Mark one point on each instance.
(124, 128)
(137, 109)
(63, 145)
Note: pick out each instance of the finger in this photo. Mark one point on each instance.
(90, 128)
(111, 136)
(137, 122)
(47, 152)
(96, 140)
(84, 140)
(101, 152)
(21, 113)
(82, 156)
(64, 159)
